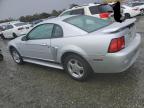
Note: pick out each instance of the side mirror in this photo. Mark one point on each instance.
(24, 38)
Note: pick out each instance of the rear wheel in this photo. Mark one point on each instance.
(77, 67)
(127, 16)
(16, 56)
(1, 57)
(142, 11)
(2, 36)
(14, 35)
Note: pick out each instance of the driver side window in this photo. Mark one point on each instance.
(43, 31)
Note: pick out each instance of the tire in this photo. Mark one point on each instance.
(16, 56)
(142, 11)
(14, 35)
(77, 67)
(1, 57)
(2, 36)
(127, 16)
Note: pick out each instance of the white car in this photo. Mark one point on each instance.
(102, 11)
(15, 29)
(139, 5)
(129, 11)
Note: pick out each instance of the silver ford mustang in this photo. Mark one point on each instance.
(80, 45)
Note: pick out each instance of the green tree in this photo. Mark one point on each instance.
(73, 5)
(6, 20)
(54, 13)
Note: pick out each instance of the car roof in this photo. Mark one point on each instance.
(86, 5)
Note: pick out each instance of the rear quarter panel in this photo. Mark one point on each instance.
(88, 46)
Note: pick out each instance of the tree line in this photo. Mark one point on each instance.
(37, 16)
(44, 15)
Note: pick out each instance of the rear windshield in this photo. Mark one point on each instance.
(20, 24)
(88, 23)
(100, 9)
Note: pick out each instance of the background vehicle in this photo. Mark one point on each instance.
(2, 28)
(139, 5)
(129, 11)
(15, 29)
(79, 44)
(103, 11)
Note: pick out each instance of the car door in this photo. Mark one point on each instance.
(38, 44)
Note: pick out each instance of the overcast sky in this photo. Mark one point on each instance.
(16, 8)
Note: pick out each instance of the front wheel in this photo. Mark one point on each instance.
(2, 36)
(77, 67)
(127, 16)
(142, 11)
(1, 57)
(14, 35)
(16, 56)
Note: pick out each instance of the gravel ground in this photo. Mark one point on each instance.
(33, 86)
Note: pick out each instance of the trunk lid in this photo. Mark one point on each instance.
(116, 26)
(126, 29)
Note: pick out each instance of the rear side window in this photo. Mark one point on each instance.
(87, 23)
(77, 12)
(57, 32)
(100, 9)
(94, 10)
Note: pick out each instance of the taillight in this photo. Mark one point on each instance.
(116, 45)
(20, 28)
(104, 15)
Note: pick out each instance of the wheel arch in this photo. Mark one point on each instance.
(69, 53)
(71, 50)
(11, 47)
(128, 14)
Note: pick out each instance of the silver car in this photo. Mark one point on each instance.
(80, 45)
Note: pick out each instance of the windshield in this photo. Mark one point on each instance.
(88, 23)
(100, 9)
(20, 24)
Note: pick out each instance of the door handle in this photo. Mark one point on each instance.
(54, 47)
(45, 44)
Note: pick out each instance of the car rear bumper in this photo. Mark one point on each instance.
(120, 61)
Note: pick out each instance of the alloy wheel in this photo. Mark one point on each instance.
(75, 68)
